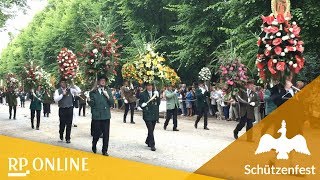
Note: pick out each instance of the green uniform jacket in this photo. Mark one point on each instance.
(201, 99)
(35, 102)
(151, 111)
(172, 99)
(11, 98)
(100, 105)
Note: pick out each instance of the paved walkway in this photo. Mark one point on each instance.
(186, 150)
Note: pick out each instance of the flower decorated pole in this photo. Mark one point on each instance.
(149, 67)
(234, 75)
(100, 54)
(12, 81)
(68, 64)
(280, 53)
(205, 75)
(33, 75)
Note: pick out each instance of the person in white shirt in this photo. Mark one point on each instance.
(63, 96)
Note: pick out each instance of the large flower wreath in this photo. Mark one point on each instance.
(280, 48)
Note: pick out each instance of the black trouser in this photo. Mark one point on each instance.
(126, 110)
(66, 116)
(46, 109)
(202, 112)
(101, 127)
(38, 117)
(14, 111)
(83, 107)
(243, 121)
(174, 114)
(22, 103)
(150, 138)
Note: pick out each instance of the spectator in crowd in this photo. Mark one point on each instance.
(213, 97)
(257, 115)
(233, 109)
(189, 99)
(225, 103)
(262, 105)
(219, 93)
(1, 96)
(194, 104)
(183, 93)
(269, 104)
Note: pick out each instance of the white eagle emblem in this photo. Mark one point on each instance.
(283, 145)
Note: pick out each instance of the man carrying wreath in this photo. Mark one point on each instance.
(202, 96)
(100, 100)
(63, 96)
(149, 102)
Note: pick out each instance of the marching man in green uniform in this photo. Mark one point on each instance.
(100, 100)
(202, 96)
(149, 102)
(11, 99)
(172, 108)
(35, 106)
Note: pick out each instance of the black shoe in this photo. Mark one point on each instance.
(105, 154)
(124, 121)
(68, 141)
(14, 118)
(9, 117)
(94, 149)
(196, 125)
(165, 127)
(235, 134)
(75, 125)
(37, 128)
(132, 122)
(147, 143)
(32, 127)
(175, 129)
(206, 128)
(153, 148)
(61, 137)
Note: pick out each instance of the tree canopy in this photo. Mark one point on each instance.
(190, 32)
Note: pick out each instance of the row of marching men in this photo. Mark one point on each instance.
(101, 101)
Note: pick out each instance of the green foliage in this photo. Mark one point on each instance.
(190, 31)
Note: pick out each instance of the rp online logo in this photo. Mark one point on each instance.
(17, 166)
(283, 146)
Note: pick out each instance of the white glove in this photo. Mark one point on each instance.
(252, 104)
(126, 101)
(106, 94)
(143, 105)
(202, 90)
(206, 87)
(176, 91)
(131, 86)
(156, 93)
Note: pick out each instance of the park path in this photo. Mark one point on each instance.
(185, 150)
